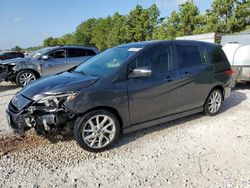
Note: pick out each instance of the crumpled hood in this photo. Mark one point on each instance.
(60, 83)
(15, 61)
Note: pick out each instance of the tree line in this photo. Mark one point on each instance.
(224, 16)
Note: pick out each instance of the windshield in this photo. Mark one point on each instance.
(106, 62)
(38, 53)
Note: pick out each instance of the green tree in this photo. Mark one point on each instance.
(50, 41)
(17, 49)
(116, 35)
(141, 22)
(189, 18)
(84, 32)
(169, 29)
(228, 16)
(185, 21)
(67, 39)
(100, 33)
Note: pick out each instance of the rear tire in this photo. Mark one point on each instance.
(213, 103)
(25, 77)
(97, 130)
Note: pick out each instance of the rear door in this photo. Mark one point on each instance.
(56, 63)
(196, 76)
(153, 97)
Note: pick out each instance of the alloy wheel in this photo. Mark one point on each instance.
(214, 102)
(26, 78)
(99, 131)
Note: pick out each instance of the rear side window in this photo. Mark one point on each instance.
(90, 52)
(217, 55)
(189, 55)
(76, 52)
(57, 54)
(159, 60)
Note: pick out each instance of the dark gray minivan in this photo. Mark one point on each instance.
(123, 89)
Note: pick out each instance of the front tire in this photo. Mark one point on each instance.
(97, 130)
(213, 103)
(25, 77)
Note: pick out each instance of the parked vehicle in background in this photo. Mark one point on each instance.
(239, 58)
(44, 62)
(10, 55)
(123, 89)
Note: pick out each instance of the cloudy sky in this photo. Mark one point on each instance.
(28, 22)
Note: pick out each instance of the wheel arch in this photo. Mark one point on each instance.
(110, 109)
(219, 87)
(27, 69)
(216, 87)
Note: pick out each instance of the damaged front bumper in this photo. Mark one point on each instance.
(7, 73)
(45, 116)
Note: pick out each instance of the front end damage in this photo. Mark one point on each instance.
(7, 73)
(47, 115)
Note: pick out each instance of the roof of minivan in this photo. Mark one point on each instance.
(157, 42)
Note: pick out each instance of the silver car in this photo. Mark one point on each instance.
(44, 62)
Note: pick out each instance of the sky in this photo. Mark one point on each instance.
(27, 23)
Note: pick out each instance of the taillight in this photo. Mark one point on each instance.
(230, 72)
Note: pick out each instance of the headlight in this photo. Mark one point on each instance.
(55, 98)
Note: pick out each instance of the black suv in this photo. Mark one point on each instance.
(10, 55)
(124, 89)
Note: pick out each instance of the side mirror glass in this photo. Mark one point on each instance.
(140, 72)
(45, 57)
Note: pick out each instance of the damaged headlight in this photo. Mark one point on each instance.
(54, 100)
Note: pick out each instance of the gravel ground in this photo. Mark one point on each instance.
(196, 151)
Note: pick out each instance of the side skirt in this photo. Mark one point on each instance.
(161, 120)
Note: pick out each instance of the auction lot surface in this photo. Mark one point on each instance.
(196, 151)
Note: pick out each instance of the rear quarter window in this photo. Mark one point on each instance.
(90, 52)
(217, 55)
(76, 52)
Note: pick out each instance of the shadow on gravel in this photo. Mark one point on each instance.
(241, 86)
(157, 128)
(235, 99)
(4, 87)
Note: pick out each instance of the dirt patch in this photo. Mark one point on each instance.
(19, 143)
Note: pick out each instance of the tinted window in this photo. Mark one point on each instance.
(90, 52)
(189, 55)
(204, 55)
(57, 54)
(76, 52)
(159, 60)
(217, 55)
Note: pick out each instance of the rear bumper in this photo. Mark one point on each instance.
(228, 87)
(227, 92)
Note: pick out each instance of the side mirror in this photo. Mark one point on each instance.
(140, 72)
(45, 57)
